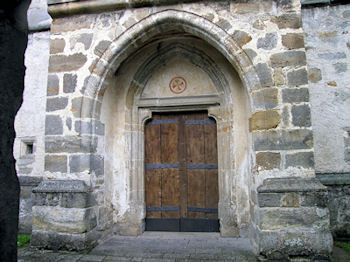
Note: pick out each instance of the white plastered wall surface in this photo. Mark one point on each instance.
(328, 50)
(29, 148)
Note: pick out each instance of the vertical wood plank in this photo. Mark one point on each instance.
(182, 169)
(153, 176)
(211, 157)
(195, 155)
(170, 176)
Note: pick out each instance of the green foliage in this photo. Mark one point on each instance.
(344, 245)
(22, 239)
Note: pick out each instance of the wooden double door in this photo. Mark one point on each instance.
(181, 170)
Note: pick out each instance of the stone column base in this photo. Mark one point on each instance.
(292, 220)
(63, 216)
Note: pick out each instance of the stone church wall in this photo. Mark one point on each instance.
(327, 44)
(287, 85)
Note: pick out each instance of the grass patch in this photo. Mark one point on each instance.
(344, 245)
(22, 239)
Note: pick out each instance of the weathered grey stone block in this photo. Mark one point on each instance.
(250, 53)
(265, 74)
(57, 46)
(93, 127)
(85, 39)
(269, 199)
(27, 183)
(288, 244)
(75, 199)
(97, 165)
(266, 98)
(241, 38)
(63, 199)
(31, 181)
(297, 77)
(293, 40)
(69, 83)
(61, 63)
(65, 193)
(288, 58)
(285, 116)
(268, 42)
(301, 116)
(45, 199)
(264, 120)
(298, 227)
(291, 20)
(338, 185)
(80, 163)
(64, 220)
(314, 199)
(92, 107)
(52, 85)
(287, 199)
(24, 164)
(70, 144)
(53, 125)
(57, 103)
(62, 186)
(282, 140)
(268, 160)
(71, 23)
(291, 184)
(278, 76)
(56, 163)
(63, 241)
(101, 47)
(294, 218)
(295, 95)
(301, 159)
(224, 24)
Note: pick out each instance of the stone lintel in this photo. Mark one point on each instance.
(291, 184)
(334, 178)
(62, 186)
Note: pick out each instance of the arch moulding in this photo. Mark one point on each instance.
(122, 48)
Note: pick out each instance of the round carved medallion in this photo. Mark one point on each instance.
(177, 85)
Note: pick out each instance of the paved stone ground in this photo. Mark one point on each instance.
(153, 247)
(160, 247)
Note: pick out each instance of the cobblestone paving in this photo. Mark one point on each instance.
(153, 247)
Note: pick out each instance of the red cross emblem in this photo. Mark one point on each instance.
(177, 85)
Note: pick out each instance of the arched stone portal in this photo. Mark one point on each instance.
(151, 43)
(212, 86)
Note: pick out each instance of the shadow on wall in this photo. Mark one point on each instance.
(13, 39)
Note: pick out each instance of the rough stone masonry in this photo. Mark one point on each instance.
(273, 75)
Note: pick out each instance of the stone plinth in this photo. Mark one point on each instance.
(292, 219)
(27, 183)
(63, 216)
(338, 185)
